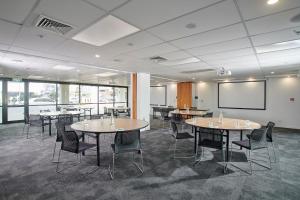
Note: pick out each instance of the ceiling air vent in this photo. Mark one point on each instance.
(53, 25)
(198, 71)
(158, 59)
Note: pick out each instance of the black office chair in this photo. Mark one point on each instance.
(210, 138)
(34, 120)
(179, 136)
(127, 142)
(70, 143)
(164, 114)
(208, 115)
(256, 141)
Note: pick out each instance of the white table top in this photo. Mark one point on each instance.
(106, 126)
(227, 124)
(56, 113)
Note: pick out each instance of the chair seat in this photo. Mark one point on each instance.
(243, 143)
(84, 146)
(183, 135)
(126, 148)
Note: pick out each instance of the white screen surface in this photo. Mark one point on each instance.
(158, 95)
(244, 95)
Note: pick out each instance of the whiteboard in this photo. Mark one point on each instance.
(158, 95)
(242, 95)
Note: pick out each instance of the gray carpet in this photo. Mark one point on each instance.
(26, 171)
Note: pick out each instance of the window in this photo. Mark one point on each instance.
(42, 96)
(0, 102)
(121, 95)
(15, 101)
(68, 94)
(106, 94)
(88, 94)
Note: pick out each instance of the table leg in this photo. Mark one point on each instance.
(98, 150)
(83, 138)
(241, 137)
(90, 113)
(50, 126)
(195, 143)
(227, 145)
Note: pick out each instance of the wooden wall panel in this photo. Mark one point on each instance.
(184, 94)
(134, 96)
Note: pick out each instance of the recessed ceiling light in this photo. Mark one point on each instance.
(106, 74)
(35, 77)
(106, 30)
(193, 78)
(271, 2)
(130, 44)
(78, 70)
(190, 25)
(272, 72)
(1, 74)
(17, 60)
(180, 62)
(97, 56)
(63, 67)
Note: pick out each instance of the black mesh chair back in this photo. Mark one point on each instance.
(71, 109)
(35, 120)
(208, 115)
(164, 114)
(70, 140)
(174, 128)
(127, 141)
(177, 118)
(257, 139)
(211, 138)
(269, 134)
(96, 116)
(65, 119)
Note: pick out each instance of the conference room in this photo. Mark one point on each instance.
(139, 99)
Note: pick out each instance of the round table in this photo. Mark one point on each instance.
(227, 125)
(50, 114)
(105, 126)
(190, 113)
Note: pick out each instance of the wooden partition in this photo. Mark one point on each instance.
(184, 94)
(134, 96)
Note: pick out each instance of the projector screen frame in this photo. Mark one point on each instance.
(163, 86)
(265, 95)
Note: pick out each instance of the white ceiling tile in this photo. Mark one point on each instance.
(153, 51)
(133, 42)
(8, 32)
(221, 47)
(235, 61)
(16, 10)
(74, 12)
(273, 22)
(30, 38)
(275, 37)
(228, 54)
(206, 19)
(210, 37)
(257, 8)
(107, 4)
(145, 13)
(4, 46)
(280, 58)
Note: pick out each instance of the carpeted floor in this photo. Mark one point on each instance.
(26, 171)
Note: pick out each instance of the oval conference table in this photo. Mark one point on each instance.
(105, 126)
(227, 125)
(190, 113)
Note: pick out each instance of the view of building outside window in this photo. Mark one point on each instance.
(0, 101)
(15, 101)
(88, 94)
(68, 94)
(106, 94)
(120, 95)
(41, 97)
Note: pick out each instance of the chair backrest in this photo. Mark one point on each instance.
(269, 134)
(67, 119)
(193, 108)
(71, 109)
(164, 114)
(96, 116)
(258, 138)
(208, 115)
(70, 140)
(127, 140)
(174, 128)
(176, 118)
(211, 138)
(35, 120)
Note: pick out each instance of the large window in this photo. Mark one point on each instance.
(42, 96)
(15, 101)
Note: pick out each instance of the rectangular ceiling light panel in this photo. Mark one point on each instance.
(180, 62)
(278, 46)
(105, 31)
(63, 67)
(106, 74)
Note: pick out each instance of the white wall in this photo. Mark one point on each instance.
(143, 97)
(280, 109)
(172, 94)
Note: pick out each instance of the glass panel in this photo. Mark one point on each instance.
(15, 93)
(42, 93)
(106, 94)
(15, 113)
(101, 107)
(37, 109)
(94, 110)
(88, 94)
(120, 94)
(120, 104)
(0, 115)
(1, 95)
(68, 94)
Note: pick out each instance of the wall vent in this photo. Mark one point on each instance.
(198, 71)
(52, 25)
(158, 59)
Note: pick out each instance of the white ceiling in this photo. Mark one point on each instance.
(224, 33)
